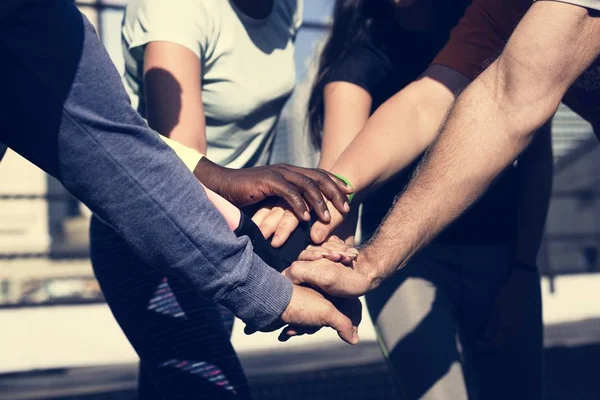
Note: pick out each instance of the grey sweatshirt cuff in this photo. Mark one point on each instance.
(262, 297)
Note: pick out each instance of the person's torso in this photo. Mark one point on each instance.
(410, 52)
(7, 7)
(248, 73)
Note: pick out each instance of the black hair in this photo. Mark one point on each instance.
(355, 22)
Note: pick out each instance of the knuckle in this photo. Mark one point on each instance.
(322, 175)
(284, 227)
(294, 268)
(273, 176)
(319, 201)
(294, 197)
(290, 189)
(308, 181)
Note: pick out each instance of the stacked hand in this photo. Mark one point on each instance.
(334, 278)
(331, 268)
(278, 220)
(310, 309)
(336, 251)
(341, 283)
(303, 189)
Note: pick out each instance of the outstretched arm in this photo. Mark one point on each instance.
(395, 135)
(400, 130)
(490, 124)
(346, 110)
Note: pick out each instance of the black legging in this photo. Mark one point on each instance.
(180, 336)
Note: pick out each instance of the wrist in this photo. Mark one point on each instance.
(262, 297)
(349, 184)
(355, 177)
(210, 174)
(368, 265)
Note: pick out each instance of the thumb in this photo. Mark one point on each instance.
(304, 272)
(342, 324)
(323, 274)
(320, 232)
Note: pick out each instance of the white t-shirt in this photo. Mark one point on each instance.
(248, 69)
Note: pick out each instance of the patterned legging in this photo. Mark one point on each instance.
(181, 337)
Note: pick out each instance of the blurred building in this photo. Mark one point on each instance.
(572, 241)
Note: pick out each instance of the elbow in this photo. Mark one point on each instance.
(428, 104)
(525, 98)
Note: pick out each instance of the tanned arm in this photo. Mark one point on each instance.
(488, 127)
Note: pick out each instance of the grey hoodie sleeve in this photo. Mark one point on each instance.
(64, 109)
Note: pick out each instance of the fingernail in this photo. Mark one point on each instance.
(275, 240)
(327, 215)
(306, 215)
(355, 337)
(346, 206)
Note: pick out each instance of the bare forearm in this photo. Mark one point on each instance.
(380, 150)
(346, 110)
(399, 131)
(469, 153)
(395, 135)
(490, 124)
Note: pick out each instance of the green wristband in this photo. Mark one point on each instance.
(347, 182)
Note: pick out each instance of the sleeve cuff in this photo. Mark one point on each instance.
(190, 157)
(262, 297)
